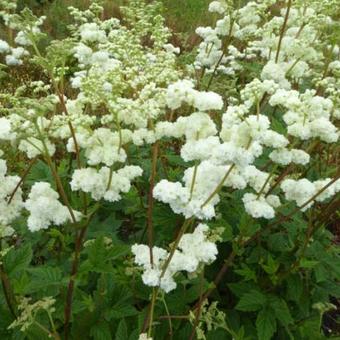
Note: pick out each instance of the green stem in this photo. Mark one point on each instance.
(55, 175)
(219, 186)
(267, 181)
(168, 314)
(152, 308)
(289, 5)
(193, 181)
(7, 289)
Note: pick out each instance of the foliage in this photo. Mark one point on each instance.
(148, 191)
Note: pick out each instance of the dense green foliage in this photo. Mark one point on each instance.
(273, 279)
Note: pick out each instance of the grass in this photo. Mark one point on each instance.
(186, 15)
(183, 16)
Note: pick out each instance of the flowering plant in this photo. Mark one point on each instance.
(146, 197)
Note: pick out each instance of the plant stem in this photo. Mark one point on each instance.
(184, 227)
(267, 181)
(287, 217)
(8, 292)
(228, 41)
(47, 331)
(199, 308)
(55, 175)
(22, 178)
(75, 265)
(155, 150)
(218, 278)
(219, 186)
(152, 308)
(283, 28)
(279, 179)
(193, 181)
(168, 314)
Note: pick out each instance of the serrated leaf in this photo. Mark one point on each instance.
(247, 273)
(252, 301)
(43, 278)
(294, 287)
(240, 288)
(101, 331)
(305, 263)
(40, 172)
(18, 259)
(121, 310)
(265, 324)
(271, 267)
(122, 331)
(281, 310)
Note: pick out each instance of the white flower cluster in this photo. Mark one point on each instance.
(131, 92)
(45, 209)
(8, 211)
(15, 55)
(194, 198)
(101, 146)
(193, 249)
(105, 183)
(302, 190)
(261, 206)
(183, 92)
(6, 133)
(144, 336)
(308, 115)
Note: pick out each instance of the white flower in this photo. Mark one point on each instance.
(299, 191)
(9, 211)
(275, 71)
(92, 33)
(285, 156)
(258, 206)
(104, 183)
(193, 249)
(171, 48)
(101, 146)
(16, 55)
(216, 7)
(5, 129)
(183, 92)
(144, 336)
(34, 147)
(4, 47)
(45, 209)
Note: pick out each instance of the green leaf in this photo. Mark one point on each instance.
(40, 172)
(100, 255)
(101, 331)
(121, 310)
(321, 273)
(252, 301)
(247, 273)
(248, 229)
(310, 329)
(240, 288)
(278, 242)
(265, 324)
(271, 267)
(116, 251)
(18, 259)
(294, 287)
(122, 331)
(281, 310)
(305, 263)
(43, 278)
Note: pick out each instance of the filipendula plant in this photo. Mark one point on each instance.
(146, 198)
